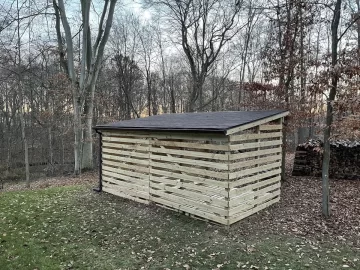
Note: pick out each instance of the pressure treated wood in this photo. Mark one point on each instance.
(221, 178)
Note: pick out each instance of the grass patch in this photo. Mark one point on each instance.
(74, 228)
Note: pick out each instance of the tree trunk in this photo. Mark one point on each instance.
(87, 143)
(329, 110)
(77, 136)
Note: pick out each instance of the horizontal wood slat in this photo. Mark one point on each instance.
(254, 136)
(257, 177)
(126, 159)
(190, 170)
(126, 140)
(200, 205)
(130, 192)
(257, 153)
(191, 194)
(206, 146)
(125, 166)
(116, 192)
(234, 202)
(184, 176)
(244, 146)
(125, 146)
(127, 185)
(243, 214)
(125, 153)
(253, 162)
(270, 127)
(130, 179)
(200, 163)
(259, 169)
(191, 210)
(238, 191)
(204, 189)
(189, 153)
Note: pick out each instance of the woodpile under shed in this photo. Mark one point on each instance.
(344, 159)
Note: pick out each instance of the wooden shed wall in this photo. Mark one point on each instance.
(185, 172)
(125, 166)
(254, 170)
(216, 177)
(190, 173)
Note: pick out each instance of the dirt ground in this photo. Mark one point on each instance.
(298, 213)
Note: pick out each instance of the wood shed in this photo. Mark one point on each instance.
(219, 166)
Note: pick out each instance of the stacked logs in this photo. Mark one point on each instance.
(344, 159)
(308, 158)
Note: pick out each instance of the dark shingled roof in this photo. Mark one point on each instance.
(202, 122)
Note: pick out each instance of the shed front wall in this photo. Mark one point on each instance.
(216, 177)
(185, 172)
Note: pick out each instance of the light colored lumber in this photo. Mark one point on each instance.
(205, 146)
(125, 146)
(256, 123)
(233, 175)
(129, 179)
(211, 191)
(188, 169)
(270, 127)
(191, 136)
(244, 146)
(200, 163)
(254, 136)
(125, 153)
(243, 212)
(125, 140)
(126, 185)
(258, 193)
(128, 191)
(255, 153)
(125, 172)
(164, 180)
(191, 194)
(238, 191)
(126, 159)
(123, 133)
(123, 195)
(185, 176)
(191, 210)
(125, 166)
(197, 204)
(254, 178)
(253, 162)
(189, 153)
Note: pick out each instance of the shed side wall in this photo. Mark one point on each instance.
(254, 169)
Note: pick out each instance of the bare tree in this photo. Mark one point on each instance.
(206, 26)
(90, 64)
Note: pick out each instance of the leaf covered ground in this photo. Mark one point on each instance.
(68, 226)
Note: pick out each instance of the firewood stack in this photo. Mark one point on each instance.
(308, 158)
(344, 159)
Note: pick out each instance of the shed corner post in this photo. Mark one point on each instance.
(150, 163)
(99, 188)
(282, 121)
(228, 153)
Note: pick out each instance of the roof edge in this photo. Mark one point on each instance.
(238, 128)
